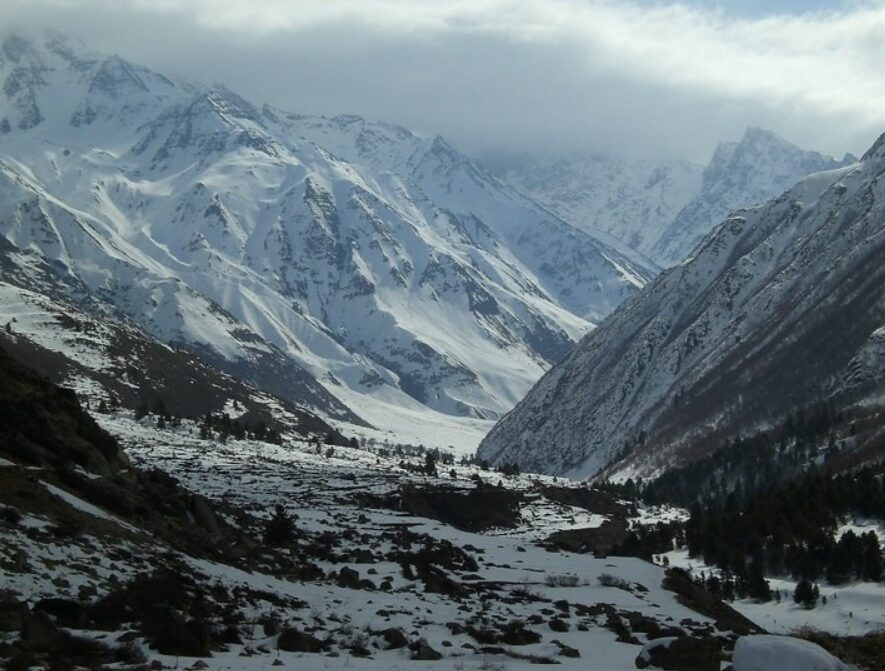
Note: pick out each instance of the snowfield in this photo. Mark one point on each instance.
(353, 267)
(852, 609)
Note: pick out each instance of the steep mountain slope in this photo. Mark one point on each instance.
(390, 268)
(780, 307)
(633, 201)
(116, 364)
(740, 174)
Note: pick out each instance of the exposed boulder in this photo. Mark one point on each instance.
(394, 638)
(293, 640)
(13, 613)
(685, 653)
(424, 653)
(348, 577)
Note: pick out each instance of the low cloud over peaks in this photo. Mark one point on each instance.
(519, 75)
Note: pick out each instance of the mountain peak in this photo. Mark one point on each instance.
(16, 48)
(757, 135)
(741, 174)
(335, 250)
(20, 48)
(877, 151)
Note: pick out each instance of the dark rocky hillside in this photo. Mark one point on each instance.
(780, 308)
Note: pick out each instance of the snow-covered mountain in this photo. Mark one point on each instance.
(287, 249)
(632, 201)
(663, 209)
(113, 362)
(740, 174)
(779, 308)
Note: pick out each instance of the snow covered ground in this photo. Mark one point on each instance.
(853, 609)
(487, 580)
(507, 576)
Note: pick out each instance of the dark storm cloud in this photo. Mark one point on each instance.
(516, 75)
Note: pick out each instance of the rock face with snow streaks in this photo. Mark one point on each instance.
(779, 308)
(662, 209)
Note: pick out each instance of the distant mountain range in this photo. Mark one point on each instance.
(780, 308)
(663, 209)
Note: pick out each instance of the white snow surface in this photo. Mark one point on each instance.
(323, 491)
(663, 209)
(740, 175)
(852, 609)
(782, 653)
(317, 489)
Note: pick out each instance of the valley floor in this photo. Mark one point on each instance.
(498, 599)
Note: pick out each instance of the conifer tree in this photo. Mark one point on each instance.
(280, 528)
(805, 594)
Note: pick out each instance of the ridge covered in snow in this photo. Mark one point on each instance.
(287, 249)
(750, 327)
(631, 201)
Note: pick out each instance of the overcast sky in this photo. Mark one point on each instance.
(638, 78)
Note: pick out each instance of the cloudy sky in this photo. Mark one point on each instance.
(630, 77)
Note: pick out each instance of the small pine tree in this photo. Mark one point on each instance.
(806, 594)
(280, 528)
(873, 565)
(430, 464)
(757, 585)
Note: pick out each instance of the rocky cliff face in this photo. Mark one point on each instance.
(663, 209)
(44, 425)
